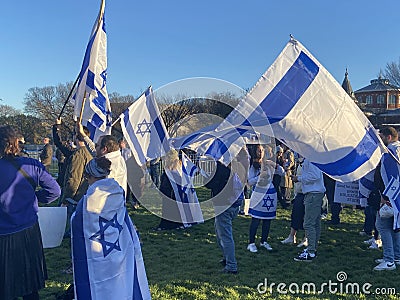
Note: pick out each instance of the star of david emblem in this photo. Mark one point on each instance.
(143, 128)
(104, 76)
(104, 225)
(393, 188)
(268, 203)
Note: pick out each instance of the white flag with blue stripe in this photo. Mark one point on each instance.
(307, 109)
(144, 129)
(106, 252)
(185, 194)
(366, 184)
(92, 82)
(218, 142)
(390, 171)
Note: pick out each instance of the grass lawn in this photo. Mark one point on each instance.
(184, 264)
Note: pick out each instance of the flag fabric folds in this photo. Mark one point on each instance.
(307, 109)
(390, 171)
(106, 252)
(91, 92)
(144, 129)
(185, 194)
(366, 184)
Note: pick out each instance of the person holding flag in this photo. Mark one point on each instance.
(390, 237)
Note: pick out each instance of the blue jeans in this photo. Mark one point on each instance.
(390, 239)
(312, 219)
(370, 219)
(223, 230)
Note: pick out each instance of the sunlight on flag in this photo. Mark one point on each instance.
(91, 92)
(390, 171)
(144, 129)
(312, 114)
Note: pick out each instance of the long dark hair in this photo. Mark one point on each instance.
(8, 142)
(255, 159)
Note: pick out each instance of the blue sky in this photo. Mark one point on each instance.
(157, 42)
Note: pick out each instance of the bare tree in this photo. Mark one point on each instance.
(176, 108)
(46, 103)
(392, 72)
(8, 111)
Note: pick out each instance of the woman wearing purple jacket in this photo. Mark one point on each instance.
(24, 182)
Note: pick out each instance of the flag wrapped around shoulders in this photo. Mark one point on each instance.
(390, 171)
(144, 129)
(91, 92)
(185, 194)
(106, 252)
(307, 109)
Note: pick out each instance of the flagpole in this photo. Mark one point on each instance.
(100, 16)
(69, 96)
(82, 107)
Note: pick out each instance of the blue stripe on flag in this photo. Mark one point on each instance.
(368, 184)
(262, 214)
(217, 149)
(157, 122)
(101, 102)
(356, 158)
(284, 96)
(189, 139)
(90, 79)
(137, 293)
(81, 272)
(131, 133)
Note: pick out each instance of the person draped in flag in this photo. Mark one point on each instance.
(106, 252)
(390, 237)
(263, 200)
(171, 218)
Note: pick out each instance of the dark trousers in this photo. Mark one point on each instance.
(253, 229)
(297, 217)
(369, 223)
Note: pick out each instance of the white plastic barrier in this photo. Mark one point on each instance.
(52, 221)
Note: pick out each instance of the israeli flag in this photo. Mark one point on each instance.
(218, 141)
(366, 184)
(144, 129)
(185, 194)
(263, 202)
(390, 171)
(106, 252)
(91, 91)
(307, 109)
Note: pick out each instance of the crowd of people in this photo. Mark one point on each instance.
(92, 180)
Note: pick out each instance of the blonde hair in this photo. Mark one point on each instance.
(172, 161)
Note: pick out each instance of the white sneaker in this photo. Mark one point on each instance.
(376, 244)
(380, 260)
(385, 266)
(289, 240)
(370, 241)
(252, 247)
(266, 246)
(304, 243)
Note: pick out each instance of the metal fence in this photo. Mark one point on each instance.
(205, 163)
